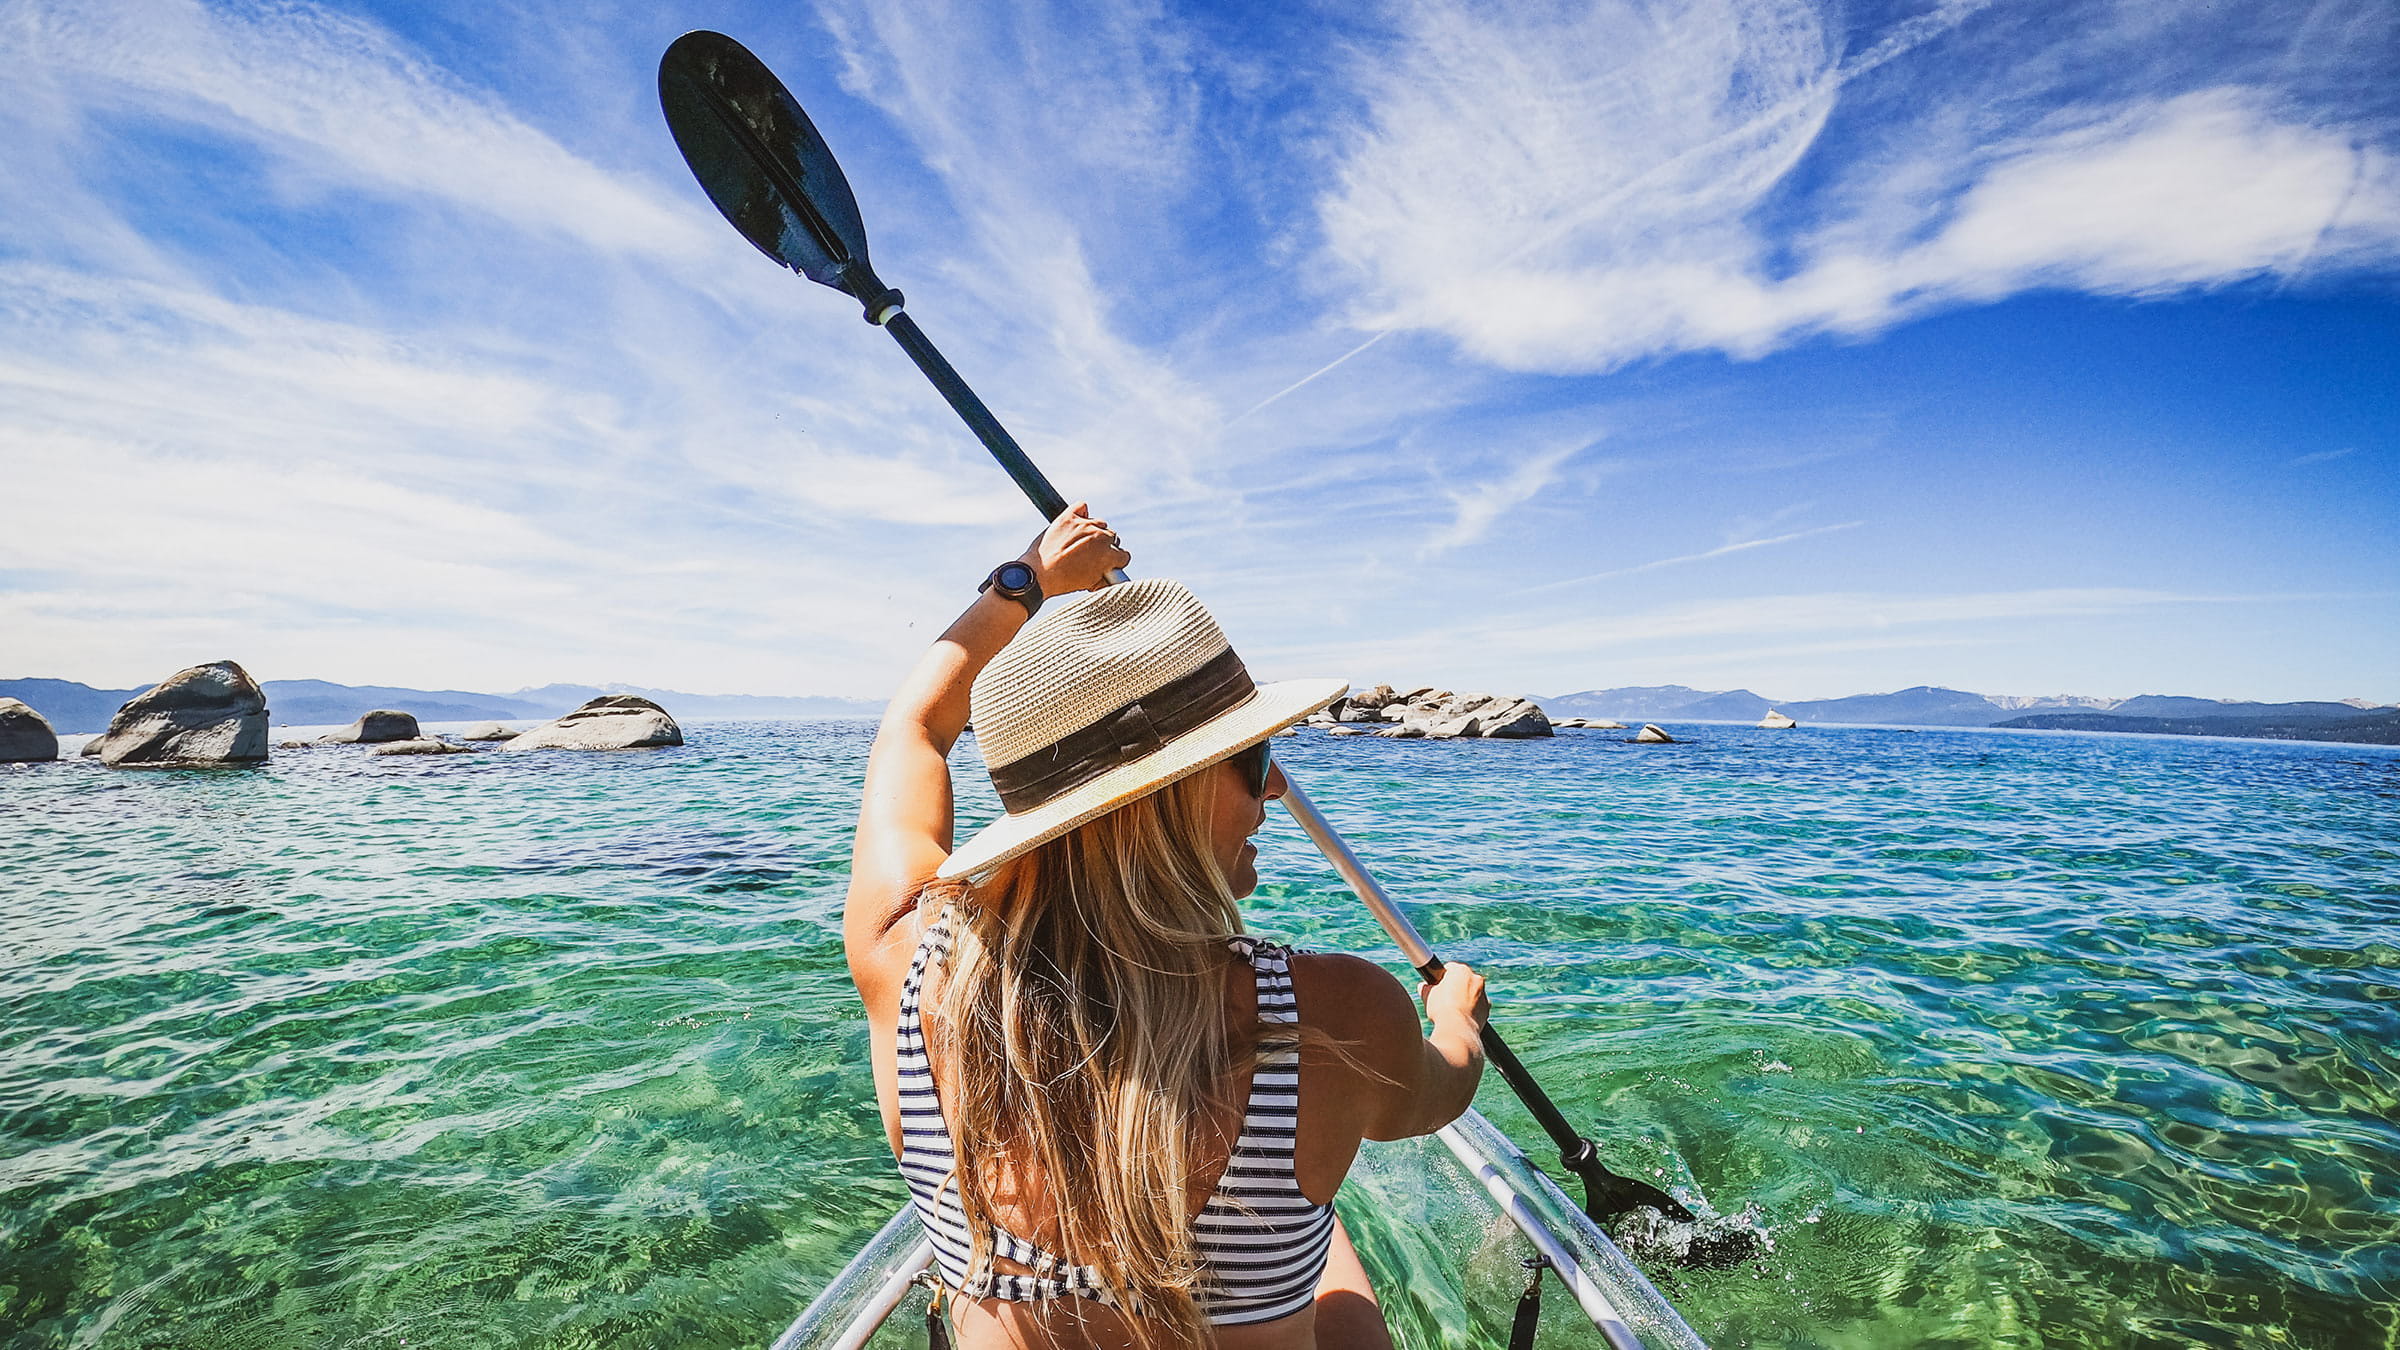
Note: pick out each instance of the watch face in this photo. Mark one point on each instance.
(1015, 576)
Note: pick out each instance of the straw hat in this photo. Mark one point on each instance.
(1110, 700)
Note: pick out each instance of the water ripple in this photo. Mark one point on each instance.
(2004, 1039)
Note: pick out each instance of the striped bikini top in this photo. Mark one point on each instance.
(1262, 1243)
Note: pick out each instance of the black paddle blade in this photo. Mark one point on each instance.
(762, 162)
(1609, 1196)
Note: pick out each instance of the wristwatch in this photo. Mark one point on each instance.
(1016, 581)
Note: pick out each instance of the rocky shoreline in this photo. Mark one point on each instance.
(215, 716)
(1427, 713)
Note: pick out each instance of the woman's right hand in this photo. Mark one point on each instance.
(1457, 997)
(1076, 553)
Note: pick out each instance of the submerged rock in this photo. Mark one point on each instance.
(211, 714)
(1349, 731)
(1775, 721)
(25, 735)
(489, 731)
(1652, 734)
(376, 727)
(609, 722)
(423, 745)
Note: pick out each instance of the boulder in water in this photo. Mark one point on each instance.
(376, 727)
(1349, 731)
(1603, 724)
(25, 735)
(1652, 734)
(1445, 716)
(609, 722)
(1775, 721)
(1373, 700)
(489, 731)
(206, 715)
(1520, 719)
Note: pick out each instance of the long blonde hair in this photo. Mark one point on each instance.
(1082, 1012)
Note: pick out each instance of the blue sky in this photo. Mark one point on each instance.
(2025, 348)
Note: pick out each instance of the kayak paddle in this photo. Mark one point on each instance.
(768, 170)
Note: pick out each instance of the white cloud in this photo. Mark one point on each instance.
(2206, 188)
(339, 102)
(1570, 192)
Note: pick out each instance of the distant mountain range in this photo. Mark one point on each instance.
(2379, 727)
(73, 707)
(1930, 706)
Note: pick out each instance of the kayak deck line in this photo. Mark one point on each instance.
(1621, 1303)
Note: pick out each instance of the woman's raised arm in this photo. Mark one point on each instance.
(904, 818)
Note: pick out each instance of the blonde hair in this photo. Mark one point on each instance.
(1083, 1018)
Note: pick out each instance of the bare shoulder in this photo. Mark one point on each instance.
(1362, 1070)
(1358, 1004)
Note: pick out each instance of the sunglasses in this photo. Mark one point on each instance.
(1253, 764)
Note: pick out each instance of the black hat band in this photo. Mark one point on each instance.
(1220, 685)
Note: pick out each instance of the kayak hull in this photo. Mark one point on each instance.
(1443, 1224)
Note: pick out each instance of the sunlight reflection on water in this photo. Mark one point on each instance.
(2005, 1038)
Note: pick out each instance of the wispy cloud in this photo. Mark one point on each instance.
(1485, 646)
(1723, 550)
(1570, 192)
(1479, 507)
(338, 102)
(2324, 456)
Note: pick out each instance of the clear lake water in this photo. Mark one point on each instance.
(2002, 1038)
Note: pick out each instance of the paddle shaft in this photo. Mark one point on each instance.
(1412, 945)
(978, 418)
(1606, 1194)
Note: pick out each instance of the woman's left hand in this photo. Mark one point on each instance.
(1076, 553)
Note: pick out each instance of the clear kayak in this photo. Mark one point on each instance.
(1444, 1225)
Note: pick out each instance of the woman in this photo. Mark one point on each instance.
(1123, 1121)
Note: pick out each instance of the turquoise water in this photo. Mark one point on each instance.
(2006, 1039)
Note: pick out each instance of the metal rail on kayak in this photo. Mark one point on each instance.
(1621, 1303)
(837, 1318)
